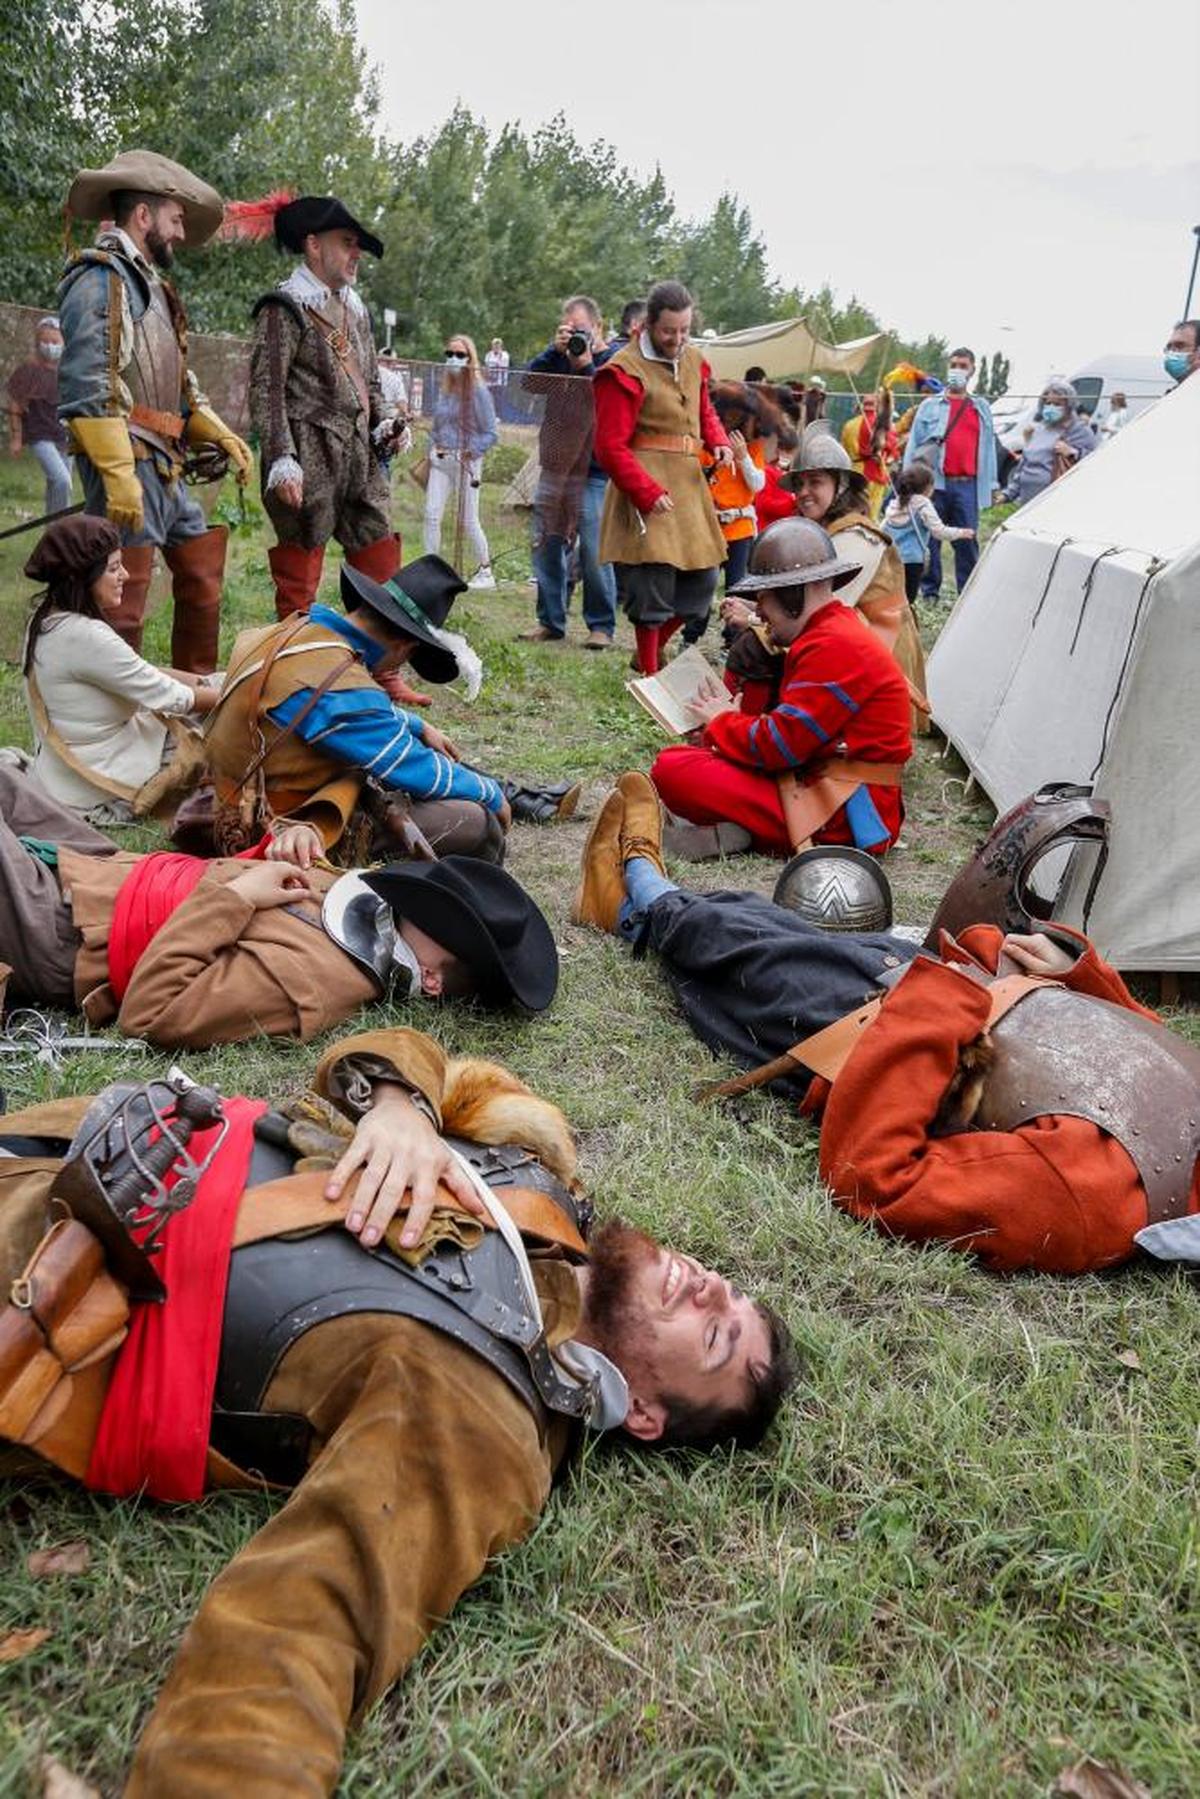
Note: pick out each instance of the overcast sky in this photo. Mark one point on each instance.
(1021, 176)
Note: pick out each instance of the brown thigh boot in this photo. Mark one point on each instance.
(460, 828)
(296, 573)
(126, 621)
(379, 560)
(197, 565)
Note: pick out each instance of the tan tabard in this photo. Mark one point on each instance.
(689, 537)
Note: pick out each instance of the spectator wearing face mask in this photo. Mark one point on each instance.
(464, 430)
(1060, 437)
(33, 413)
(1181, 357)
(954, 434)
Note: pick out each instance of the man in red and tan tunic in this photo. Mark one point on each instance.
(653, 417)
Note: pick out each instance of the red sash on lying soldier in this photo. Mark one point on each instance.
(154, 1429)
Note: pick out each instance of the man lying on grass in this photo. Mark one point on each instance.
(418, 1398)
(1008, 1097)
(187, 952)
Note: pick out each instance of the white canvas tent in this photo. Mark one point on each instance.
(786, 347)
(1074, 655)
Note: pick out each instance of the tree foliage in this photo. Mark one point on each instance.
(485, 233)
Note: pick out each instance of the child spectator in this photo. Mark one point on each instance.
(911, 519)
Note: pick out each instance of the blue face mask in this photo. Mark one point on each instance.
(1051, 414)
(1176, 364)
(956, 379)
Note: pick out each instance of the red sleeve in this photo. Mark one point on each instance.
(812, 709)
(618, 401)
(1056, 1194)
(712, 430)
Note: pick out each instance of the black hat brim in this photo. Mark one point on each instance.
(431, 660)
(311, 214)
(525, 972)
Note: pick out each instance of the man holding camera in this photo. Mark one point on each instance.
(570, 494)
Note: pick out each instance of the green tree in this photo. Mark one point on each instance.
(724, 263)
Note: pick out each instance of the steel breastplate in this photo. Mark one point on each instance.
(154, 375)
(1066, 1053)
(281, 1287)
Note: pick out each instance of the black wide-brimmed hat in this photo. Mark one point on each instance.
(482, 916)
(417, 601)
(316, 213)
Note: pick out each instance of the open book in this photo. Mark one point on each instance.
(667, 696)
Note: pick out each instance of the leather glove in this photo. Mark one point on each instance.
(106, 443)
(204, 427)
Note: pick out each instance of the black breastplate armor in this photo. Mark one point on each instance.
(281, 1287)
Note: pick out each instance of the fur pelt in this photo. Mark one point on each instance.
(963, 1095)
(486, 1103)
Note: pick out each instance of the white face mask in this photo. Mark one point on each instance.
(50, 352)
(957, 379)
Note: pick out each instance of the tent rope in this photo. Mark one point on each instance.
(1155, 568)
(1115, 550)
(1049, 583)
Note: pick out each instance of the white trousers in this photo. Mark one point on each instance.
(449, 480)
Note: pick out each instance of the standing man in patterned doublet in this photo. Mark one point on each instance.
(316, 405)
(129, 400)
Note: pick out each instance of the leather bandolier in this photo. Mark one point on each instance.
(293, 779)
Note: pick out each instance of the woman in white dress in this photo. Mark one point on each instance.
(99, 710)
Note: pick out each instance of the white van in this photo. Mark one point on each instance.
(1142, 379)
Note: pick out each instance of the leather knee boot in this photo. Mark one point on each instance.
(379, 560)
(296, 573)
(127, 620)
(197, 566)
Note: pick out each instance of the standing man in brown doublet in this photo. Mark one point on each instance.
(653, 417)
(131, 404)
(316, 405)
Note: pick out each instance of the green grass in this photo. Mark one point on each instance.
(971, 1551)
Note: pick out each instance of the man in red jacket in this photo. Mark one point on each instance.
(1006, 1096)
(823, 761)
(660, 530)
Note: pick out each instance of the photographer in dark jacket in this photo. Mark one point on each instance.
(570, 493)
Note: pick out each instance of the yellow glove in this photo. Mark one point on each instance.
(204, 427)
(106, 443)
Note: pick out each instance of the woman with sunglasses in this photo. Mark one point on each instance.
(464, 429)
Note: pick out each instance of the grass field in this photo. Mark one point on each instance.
(971, 1552)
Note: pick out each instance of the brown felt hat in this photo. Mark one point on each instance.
(146, 172)
(73, 546)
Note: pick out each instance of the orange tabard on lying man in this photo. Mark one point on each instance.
(1058, 1193)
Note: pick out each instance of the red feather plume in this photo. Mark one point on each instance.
(250, 221)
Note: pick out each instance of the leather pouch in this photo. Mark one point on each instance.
(80, 1308)
(29, 1374)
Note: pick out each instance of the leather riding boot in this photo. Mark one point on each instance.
(296, 573)
(380, 560)
(540, 805)
(197, 566)
(127, 620)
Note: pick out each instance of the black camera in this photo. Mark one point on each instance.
(578, 344)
